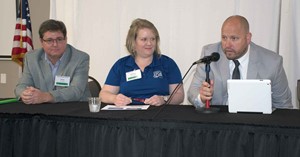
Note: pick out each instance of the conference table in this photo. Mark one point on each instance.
(70, 130)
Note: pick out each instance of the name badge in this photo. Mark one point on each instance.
(63, 81)
(133, 75)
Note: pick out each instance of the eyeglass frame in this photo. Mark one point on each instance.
(51, 41)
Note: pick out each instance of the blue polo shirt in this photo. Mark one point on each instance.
(155, 80)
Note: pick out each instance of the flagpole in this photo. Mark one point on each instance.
(21, 34)
(17, 7)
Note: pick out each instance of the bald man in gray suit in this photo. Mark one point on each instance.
(255, 62)
(55, 73)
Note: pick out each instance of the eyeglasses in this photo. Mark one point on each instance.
(51, 41)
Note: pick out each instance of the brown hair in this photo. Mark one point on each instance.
(52, 25)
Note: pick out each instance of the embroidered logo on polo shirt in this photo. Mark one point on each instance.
(157, 74)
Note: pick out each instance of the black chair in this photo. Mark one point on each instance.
(94, 86)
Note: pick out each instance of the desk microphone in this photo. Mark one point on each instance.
(215, 56)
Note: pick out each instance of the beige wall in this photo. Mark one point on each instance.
(39, 12)
(10, 71)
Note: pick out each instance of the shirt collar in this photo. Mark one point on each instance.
(243, 67)
(57, 63)
(244, 60)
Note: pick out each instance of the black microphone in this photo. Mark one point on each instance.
(207, 59)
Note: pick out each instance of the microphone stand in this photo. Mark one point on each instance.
(173, 92)
(207, 108)
(178, 85)
(215, 56)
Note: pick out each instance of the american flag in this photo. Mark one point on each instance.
(23, 37)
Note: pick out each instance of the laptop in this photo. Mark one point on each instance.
(246, 96)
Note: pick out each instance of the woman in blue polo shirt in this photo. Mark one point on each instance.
(145, 76)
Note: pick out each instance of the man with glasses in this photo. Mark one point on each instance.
(55, 73)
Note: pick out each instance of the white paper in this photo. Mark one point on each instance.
(133, 107)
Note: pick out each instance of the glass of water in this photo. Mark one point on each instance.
(94, 104)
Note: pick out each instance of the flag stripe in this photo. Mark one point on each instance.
(23, 33)
(17, 44)
(24, 39)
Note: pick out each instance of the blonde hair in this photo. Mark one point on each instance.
(135, 26)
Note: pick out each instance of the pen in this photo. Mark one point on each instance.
(138, 99)
(5, 101)
(115, 108)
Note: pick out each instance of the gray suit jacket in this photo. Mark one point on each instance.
(37, 73)
(263, 64)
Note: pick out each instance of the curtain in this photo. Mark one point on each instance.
(289, 43)
(99, 27)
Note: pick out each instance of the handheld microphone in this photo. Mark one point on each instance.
(215, 56)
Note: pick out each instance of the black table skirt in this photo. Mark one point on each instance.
(69, 130)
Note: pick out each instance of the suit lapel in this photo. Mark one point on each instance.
(252, 65)
(224, 68)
